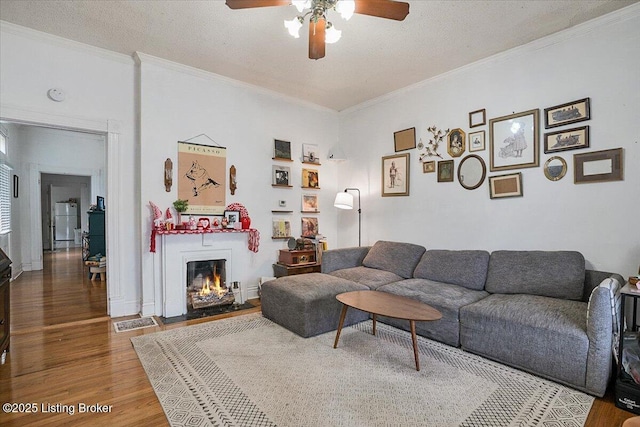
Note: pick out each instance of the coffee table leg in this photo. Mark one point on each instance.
(412, 324)
(343, 314)
(374, 324)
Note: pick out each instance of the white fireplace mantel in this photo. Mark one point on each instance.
(177, 250)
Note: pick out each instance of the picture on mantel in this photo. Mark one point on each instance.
(202, 177)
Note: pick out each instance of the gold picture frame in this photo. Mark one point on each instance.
(395, 175)
(514, 141)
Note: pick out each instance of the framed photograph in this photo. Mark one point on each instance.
(445, 171)
(232, 218)
(310, 203)
(281, 229)
(571, 112)
(310, 178)
(404, 139)
(505, 186)
(310, 227)
(514, 141)
(570, 139)
(202, 177)
(281, 176)
(598, 166)
(15, 186)
(429, 167)
(395, 175)
(456, 143)
(310, 154)
(281, 149)
(476, 141)
(477, 118)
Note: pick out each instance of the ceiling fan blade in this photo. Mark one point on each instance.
(246, 4)
(383, 9)
(316, 38)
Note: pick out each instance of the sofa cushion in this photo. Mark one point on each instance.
(371, 277)
(463, 268)
(557, 274)
(546, 336)
(396, 257)
(445, 297)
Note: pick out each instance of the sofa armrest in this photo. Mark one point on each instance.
(593, 278)
(601, 324)
(337, 259)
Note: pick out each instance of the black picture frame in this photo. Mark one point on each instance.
(569, 139)
(564, 114)
(15, 186)
(404, 139)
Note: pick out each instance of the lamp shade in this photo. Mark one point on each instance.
(343, 200)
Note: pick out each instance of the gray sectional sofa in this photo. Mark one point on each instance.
(539, 311)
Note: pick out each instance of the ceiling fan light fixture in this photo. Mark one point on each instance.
(331, 34)
(294, 26)
(301, 4)
(346, 8)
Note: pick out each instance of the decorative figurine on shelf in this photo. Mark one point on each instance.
(225, 222)
(216, 223)
(246, 223)
(193, 224)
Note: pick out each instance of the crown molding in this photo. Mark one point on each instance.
(143, 58)
(579, 30)
(43, 37)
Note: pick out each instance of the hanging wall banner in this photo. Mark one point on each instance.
(202, 172)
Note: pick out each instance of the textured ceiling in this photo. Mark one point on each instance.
(374, 57)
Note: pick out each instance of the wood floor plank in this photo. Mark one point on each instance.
(65, 351)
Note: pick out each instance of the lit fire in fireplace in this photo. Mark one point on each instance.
(207, 288)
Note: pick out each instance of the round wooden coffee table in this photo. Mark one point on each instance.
(389, 305)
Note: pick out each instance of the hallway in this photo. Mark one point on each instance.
(60, 293)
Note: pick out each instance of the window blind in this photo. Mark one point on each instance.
(5, 199)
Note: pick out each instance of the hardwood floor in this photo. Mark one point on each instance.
(64, 352)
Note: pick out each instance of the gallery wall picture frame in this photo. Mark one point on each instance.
(503, 186)
(555, 168)
(310, 203)
(429, 167)
(456, 142)
(395, 175)
(310, 178)
(310, 227)
(477, 118)
(598, 166)
(476, 141)
(281, 229)
(570, 112)
(16, 182)
(563, 140)
(445, 171)
(202, 177)
(310, 154)
(404, 139)
(514, 141)
(281, 150)
(281, 176)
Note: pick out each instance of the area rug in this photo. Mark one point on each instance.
(248, 371)
(130, 325)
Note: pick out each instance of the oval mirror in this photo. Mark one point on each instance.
(555, 168)
(471, 172)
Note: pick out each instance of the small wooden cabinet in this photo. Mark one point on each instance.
(96, 233)
(281, 270)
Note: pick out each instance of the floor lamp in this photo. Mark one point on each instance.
(344, 200)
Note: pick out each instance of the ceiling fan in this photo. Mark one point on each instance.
(322, 31)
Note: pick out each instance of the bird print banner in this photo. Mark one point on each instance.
(202, 177)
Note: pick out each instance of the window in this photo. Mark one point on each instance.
(5, 188)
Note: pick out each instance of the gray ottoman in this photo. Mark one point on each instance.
(306, 303)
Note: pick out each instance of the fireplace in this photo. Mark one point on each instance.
(207, 285)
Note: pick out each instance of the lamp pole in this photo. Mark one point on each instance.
(359, 215)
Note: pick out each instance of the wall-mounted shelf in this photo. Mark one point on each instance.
(281, 238)
(311, 188)
(282, 159)
(310, 212)
(312, 163)
(281, 212)
(282, 186)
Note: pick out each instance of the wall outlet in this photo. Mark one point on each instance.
(282, 203)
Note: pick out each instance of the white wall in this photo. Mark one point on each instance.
(178, 103)
(599, 60)
(100, 95)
